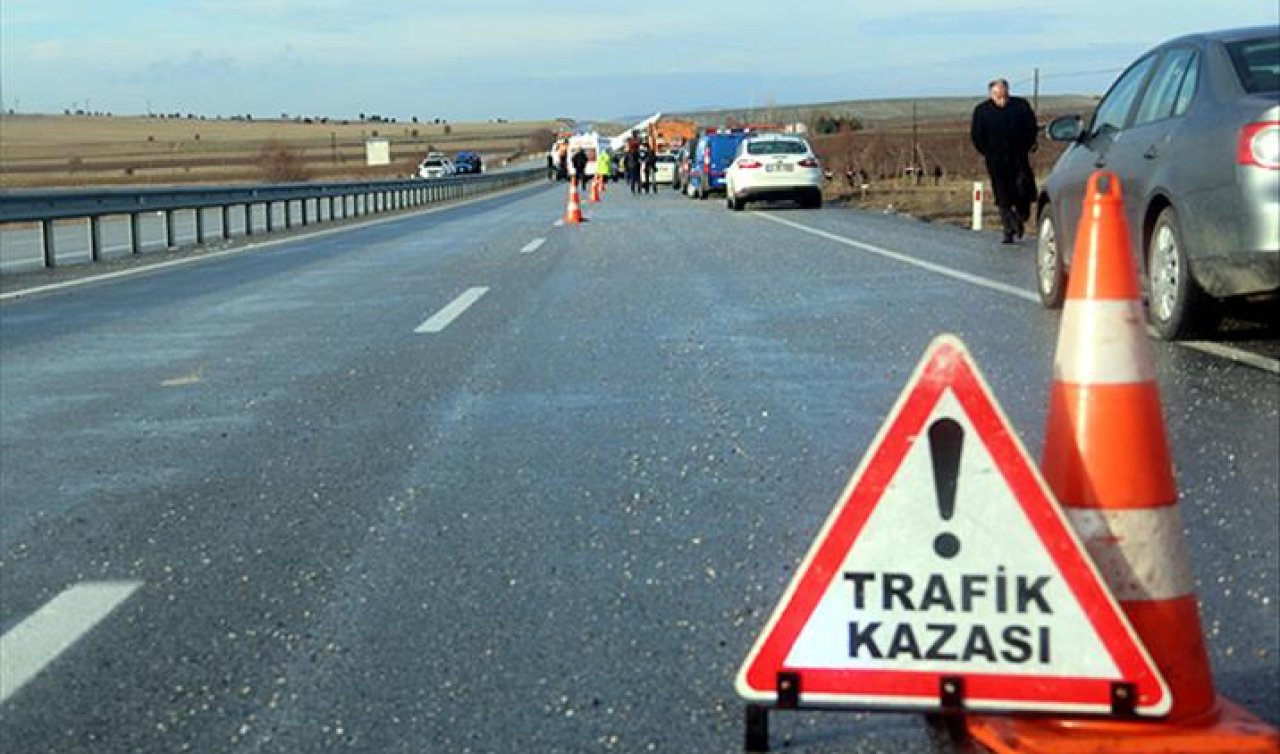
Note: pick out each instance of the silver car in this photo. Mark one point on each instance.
(1192, 129)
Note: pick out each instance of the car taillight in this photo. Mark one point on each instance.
(748, 164)
(1259, 145)
(808, 162)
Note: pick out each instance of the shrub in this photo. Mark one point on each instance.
(280, 164)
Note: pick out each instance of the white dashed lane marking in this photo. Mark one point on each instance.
(533, 245)
(28, 647)
(443, 318)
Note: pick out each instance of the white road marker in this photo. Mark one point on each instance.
(1219, 350)
(443, 318)
(533, 245)
(558, 223)
(37, 641)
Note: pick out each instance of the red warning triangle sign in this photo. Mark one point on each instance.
(947, 575)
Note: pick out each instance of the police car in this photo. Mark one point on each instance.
(774, 166)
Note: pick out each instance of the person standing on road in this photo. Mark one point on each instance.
(1004, 133)
(642, 164)
(562, 160)
(650, 171)
(631, 163)
(579, 160)
(604, 165)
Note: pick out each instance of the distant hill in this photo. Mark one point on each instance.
(876, 112)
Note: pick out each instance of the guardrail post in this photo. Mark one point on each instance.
(46, 242)
(135, 233)
(226, 222)
(170, 237)
(271, 216)
(248, 218)
(306, 210)
(95, 238)
(199, 225)
(288, 214)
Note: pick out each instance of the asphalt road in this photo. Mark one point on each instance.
(431, 486)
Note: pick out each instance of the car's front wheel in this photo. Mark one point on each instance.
(1051, 275)
(1176, 307)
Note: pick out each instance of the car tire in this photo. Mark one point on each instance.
(1051, 271)
(733, 202)
(815, 200)
(1176, 306)
(703, 193)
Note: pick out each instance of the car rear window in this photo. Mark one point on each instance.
(779, 146)
(1257, 63)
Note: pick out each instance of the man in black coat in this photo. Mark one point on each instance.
(579, 161)
(1004, 132)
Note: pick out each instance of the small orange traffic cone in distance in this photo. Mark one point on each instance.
(595, 190)
(573, 213)
(1107, 459)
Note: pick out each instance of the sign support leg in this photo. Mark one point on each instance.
(756, 728)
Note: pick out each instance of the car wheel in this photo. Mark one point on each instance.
(734, 202)
(1051, 275)
(703, 193)
(689, 190)
(1177, 307)
(815, 200)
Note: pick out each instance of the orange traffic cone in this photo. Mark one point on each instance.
(595, 190)
(1107, 459)
(573, 214)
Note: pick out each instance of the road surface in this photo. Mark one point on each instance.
(470, 481)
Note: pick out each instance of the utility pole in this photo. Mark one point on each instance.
(1035, 92)
(915, 140)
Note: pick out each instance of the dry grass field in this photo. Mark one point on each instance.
(61, 150)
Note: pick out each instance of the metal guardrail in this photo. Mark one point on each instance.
(304, 204)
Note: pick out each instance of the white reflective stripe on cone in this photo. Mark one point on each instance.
(1140, 552)
(1103, 343)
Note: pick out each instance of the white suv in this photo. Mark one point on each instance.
(774, 166)
(435, 166)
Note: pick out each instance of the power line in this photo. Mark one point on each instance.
(1068, 74)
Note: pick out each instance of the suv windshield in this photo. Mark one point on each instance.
(776, 147)
(1257, 63)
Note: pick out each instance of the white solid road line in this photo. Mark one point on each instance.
(1219, 350)
(35, 642)
(443, 318)
(206, 256)
(898, 256)
(533, 245)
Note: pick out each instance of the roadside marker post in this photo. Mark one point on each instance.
(947, 579)
(977, 205)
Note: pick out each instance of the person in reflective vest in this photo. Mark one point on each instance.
(604, 165)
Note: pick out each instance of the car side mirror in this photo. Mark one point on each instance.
(1067, 128)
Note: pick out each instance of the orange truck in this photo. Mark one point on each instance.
(668, 134)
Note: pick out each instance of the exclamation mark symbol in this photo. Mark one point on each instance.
(946, 441)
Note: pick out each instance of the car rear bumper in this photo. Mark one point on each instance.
(1244, 273)
(776, 192)
(1244, 260)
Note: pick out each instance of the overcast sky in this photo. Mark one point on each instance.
(501, 58)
